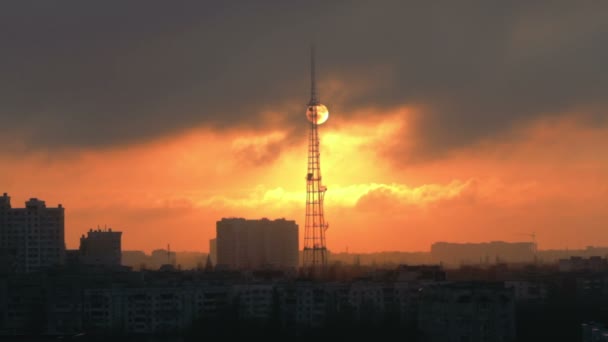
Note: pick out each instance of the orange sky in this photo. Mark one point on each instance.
(549, 177)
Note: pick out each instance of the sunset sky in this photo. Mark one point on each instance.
(448, 122)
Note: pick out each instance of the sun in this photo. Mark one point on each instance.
(317, 113)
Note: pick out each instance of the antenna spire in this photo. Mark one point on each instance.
(313, 84)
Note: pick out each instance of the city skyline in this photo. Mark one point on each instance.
(160, 125)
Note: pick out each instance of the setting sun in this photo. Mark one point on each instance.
(319, 112)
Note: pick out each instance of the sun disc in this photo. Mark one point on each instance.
(317, 113)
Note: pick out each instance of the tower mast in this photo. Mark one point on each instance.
(315, 251)
(313, 83)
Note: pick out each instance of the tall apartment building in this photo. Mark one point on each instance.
(101, 247)
(31, 238)
(250, 244)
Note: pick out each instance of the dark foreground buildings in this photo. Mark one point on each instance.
(254, 292)
(410, 301)
(416, 303)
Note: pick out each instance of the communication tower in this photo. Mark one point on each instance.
(315, 251)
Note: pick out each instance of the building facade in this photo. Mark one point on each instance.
(594, 332)
(31, 238)
(249, 244)
(472, 312)
(101, 247)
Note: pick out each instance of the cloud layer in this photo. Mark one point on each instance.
(80, 75)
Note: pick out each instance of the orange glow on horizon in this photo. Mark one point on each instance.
(175, 188)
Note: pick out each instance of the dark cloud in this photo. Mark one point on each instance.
(115, 72)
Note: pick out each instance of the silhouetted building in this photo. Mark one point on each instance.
(483, 253)
(72, 257)
(101, 247)
(251, 244)
(579, 264)
(161, 257)
(213, 250)
(184, 260)
(135, 259)
(31, 238)
(420, 273)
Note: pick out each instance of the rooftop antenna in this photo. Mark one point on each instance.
(168, 253)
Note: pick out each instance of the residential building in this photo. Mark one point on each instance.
(252, 244)
(473, 312)
(101, 247)
(594, 332)
(31, 238)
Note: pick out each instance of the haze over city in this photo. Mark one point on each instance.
(158, 121)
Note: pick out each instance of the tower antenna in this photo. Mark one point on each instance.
(313, 82)
(315, 250)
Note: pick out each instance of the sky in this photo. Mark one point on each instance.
(449, 121)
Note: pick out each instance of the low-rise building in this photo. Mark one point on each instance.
(467, 312)
(257, 301)
(580, 264)
(594, 332)
(527, 291)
